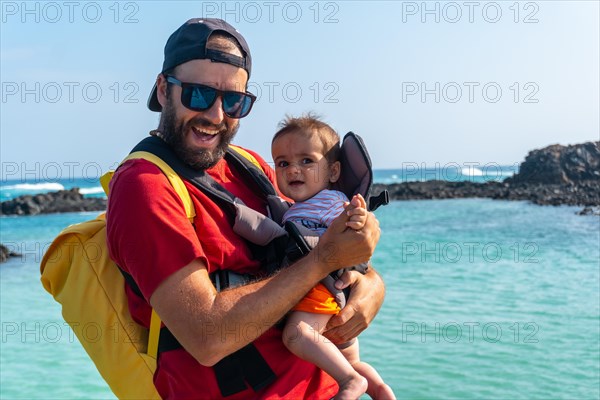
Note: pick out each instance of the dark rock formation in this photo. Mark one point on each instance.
(558, 164)
(554, 175)
(55, 202)
(5, 253)
(584, 193)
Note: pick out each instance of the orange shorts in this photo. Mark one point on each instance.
(318, 301)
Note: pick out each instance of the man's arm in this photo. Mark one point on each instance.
(212, 325)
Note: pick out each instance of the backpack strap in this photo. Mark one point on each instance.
(252, 225)
(190, 212)
(154, 333)
(199, 178)
(249, 166)
(171, 175)
(241, 159)
(246, 155)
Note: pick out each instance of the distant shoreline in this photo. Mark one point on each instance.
(585, 194)
(554, 175)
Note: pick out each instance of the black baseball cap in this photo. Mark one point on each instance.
(189, 43)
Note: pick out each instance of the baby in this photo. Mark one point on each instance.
(306, 155)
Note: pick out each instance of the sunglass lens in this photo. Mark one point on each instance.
(199, 98)
(236, 105)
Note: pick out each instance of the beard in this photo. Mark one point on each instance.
(173, 133)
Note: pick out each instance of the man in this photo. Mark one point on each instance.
(227, 345)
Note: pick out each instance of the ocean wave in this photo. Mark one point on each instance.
(471, 172)
(34, 186)
(92, 190)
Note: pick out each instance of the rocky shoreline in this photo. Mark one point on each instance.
(585, 194)
(554, 175)
(55, 202)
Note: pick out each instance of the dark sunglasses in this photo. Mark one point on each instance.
(198, 97)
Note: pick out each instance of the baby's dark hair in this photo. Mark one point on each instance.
(311, 123)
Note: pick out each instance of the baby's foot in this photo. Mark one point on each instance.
(352, 388)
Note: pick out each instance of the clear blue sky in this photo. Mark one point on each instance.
(434, 82)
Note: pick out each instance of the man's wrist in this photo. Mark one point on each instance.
(324, 259)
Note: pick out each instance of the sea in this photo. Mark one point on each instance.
(485, 299)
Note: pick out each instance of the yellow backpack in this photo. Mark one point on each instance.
(78, 272)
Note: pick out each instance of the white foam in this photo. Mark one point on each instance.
(92, 190)
(34, 186)
(471, 172)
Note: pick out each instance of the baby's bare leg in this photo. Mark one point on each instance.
(377, 388)
(302, 336)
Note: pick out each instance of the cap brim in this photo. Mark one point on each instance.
(153, 103)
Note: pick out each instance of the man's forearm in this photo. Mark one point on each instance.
(254, 308)
(212, 325)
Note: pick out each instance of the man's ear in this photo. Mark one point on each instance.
(161, 89)
(334, 171)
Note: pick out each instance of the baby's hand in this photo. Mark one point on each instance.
(357, 211)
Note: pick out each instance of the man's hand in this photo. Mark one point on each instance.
(342, 247)
(366, 297)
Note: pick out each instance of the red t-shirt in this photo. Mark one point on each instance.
(150, 237)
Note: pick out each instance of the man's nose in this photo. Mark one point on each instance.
(215, 114)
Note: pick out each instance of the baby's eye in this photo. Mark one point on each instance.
(307, 161)
(282, 164)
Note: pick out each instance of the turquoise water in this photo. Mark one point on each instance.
(485, 299)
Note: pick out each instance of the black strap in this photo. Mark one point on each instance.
(230, 376)
(250, 170)
(201, 179)
(221, 56)
(236, 371)
(233, 371)
(297, 246)
(131, 282)
(257, 372)
(381, 199)
(166, 341)
(246, 367)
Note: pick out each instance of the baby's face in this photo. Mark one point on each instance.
(300, 165)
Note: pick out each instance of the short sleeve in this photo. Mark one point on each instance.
(148, 232)
(332, 203)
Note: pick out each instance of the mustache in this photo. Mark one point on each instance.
(203, 123)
